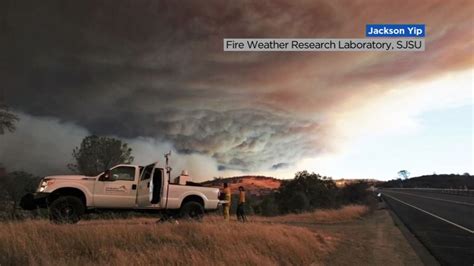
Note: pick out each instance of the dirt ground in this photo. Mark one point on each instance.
(360, 239)
(372, 240)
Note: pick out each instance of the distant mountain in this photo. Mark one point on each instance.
(254, 185)
(433, 181)
(263, 185)
(344, 182)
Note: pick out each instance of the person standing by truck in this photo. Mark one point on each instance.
(241, 207)
(227, 198)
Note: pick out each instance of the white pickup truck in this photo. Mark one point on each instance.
(125, 187)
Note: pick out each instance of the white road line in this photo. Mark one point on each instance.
(452, 201)
(434, 215)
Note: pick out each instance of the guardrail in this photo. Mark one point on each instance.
(460, 192)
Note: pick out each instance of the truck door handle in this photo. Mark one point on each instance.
(148, 184)
(134, 187)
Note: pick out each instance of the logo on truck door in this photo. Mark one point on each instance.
(112, 189)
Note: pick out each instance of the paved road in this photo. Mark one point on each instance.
(443, 223)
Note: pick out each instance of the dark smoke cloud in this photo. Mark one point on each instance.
(280, 166)
(244, 139)
(156, 69)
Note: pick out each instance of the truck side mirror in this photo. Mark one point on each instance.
(102, 177)
(107, 176)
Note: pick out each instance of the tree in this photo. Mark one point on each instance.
(298, 202)
(404, 174)
(7, 119)
(97, 154)
(13, 187)
(268, 206)
(355, 193)
(321, 192)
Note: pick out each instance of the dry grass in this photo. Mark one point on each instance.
(346, 213)
(143, 243)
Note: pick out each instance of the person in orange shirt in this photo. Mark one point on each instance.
(227, 198)
(241, 207)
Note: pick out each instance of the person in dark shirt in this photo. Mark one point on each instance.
(241, 207)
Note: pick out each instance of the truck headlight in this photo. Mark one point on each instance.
(44, 184)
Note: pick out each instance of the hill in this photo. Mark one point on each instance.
(263, 185)
(254, 185)
(345, 182)
(433, 181)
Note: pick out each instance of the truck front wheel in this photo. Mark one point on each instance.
(192, 210)
(66, 209)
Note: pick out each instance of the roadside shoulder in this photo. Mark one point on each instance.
(421, 251)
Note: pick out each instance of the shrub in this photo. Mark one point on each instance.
(321, 192)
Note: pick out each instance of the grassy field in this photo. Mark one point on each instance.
(347, 213)
(142, 241)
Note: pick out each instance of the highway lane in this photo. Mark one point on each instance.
(438, 195)
(460, 211)
(443, 223)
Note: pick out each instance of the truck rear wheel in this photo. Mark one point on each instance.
(192, 210)
(66, 209)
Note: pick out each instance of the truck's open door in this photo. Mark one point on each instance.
(156, 187)
(144, 185)
(150, 187)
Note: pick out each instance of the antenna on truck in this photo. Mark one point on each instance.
(168, 170)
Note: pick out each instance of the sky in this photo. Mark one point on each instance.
(155, 75)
